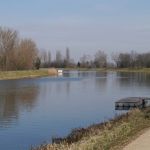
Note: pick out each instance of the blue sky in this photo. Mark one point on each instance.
(85, 26)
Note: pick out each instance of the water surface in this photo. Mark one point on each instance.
(34, 110)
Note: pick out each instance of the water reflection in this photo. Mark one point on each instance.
(134, 78)
(15, 98)
(92, 74)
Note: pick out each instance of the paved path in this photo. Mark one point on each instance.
(141, 143)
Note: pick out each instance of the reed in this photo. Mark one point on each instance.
(52, 71)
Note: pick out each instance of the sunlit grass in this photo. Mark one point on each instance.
(22, 74)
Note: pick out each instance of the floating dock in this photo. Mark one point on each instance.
(145, 105)
(131, 101)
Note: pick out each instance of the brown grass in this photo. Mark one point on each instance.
(52, 71)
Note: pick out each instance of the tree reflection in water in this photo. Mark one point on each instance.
(15, 98)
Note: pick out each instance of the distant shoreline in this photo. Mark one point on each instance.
(146, 70)
(8, 75)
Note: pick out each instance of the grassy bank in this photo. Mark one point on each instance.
(4, 75)
(113, 134)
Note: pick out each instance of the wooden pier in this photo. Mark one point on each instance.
(145, 105)
(131, 101)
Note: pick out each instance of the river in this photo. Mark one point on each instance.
(34, 110)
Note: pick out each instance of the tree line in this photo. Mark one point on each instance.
(16, 53)
(119, 60)
(60, 61)
(22, 54)
(131, 60)
(68, 62)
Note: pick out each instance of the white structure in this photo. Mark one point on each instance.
(60, 71)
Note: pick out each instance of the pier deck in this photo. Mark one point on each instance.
(131, 101)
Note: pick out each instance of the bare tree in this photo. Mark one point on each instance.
(124, 60)
(72, 63)
(67, 59)
(83, 61)
(58, 60)
(44, 58)
(115, 58)
(86, 61)
(8, 42)
(44, 54)
(133, 59)
(27, 54)
(146, 59)
(89, 61)
(100, 59)
(49, 59)
(16, 53)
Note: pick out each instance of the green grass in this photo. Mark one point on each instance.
(23, 74)
(113, 134)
